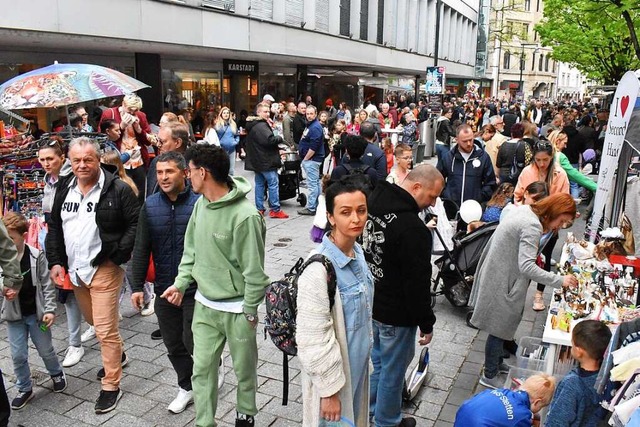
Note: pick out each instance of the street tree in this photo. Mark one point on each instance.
(597, 37)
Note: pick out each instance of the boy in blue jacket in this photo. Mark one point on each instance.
(576, 402)
(507, 408)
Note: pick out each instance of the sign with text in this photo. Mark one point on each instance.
(435, 80)
(621, 109)
(240, 67)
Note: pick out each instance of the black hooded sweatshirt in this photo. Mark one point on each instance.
(397, 247)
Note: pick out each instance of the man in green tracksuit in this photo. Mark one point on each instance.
(224, 255)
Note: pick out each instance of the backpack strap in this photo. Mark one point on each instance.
(285, 379)
(297, 269)
(331, 275)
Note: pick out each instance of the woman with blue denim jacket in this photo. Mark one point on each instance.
(227, 131)
(334, 344)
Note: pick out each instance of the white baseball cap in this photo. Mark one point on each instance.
(269, 98)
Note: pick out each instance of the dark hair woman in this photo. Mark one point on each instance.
(334, 343)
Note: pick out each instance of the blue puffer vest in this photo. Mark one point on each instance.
(168, 225)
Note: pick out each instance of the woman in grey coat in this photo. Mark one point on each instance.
(506, 267)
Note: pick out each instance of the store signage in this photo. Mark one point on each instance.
(240, 67)
(435, 80)
(621, 109)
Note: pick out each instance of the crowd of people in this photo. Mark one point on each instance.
(166, 215)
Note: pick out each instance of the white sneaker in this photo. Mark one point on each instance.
(89, 334)
(73, 356)
(221, 373)
(148, 309)
(182, 400)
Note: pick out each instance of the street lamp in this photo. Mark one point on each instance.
(522, 46)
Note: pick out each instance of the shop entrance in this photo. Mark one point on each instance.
(240, 85)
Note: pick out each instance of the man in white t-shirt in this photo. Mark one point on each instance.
(91, 234)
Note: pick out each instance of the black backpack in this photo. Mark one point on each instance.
(282, 309)
(516, 166)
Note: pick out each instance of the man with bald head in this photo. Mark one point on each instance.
(397, 247)
(467, 169)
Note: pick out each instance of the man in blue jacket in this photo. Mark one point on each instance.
(311, 150)
(467, 169)
(161, 227)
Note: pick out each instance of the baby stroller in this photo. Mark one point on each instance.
(458, 266)
(289, 178)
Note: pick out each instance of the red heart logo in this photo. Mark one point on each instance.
(624, 103)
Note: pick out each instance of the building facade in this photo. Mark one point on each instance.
(572, 84)
(520, 67)
(209, 52)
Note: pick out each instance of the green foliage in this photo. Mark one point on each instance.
(592, 36)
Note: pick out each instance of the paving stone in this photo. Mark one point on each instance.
(60, 401)
(428, 410)
(137, 385)
(85, 412)
(466, 381)
(127, 420)
(135, 405)
(161, 417)
(448, 413)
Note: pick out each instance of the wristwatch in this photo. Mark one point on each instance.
(251, 317)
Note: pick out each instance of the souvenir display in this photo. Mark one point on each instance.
(606, 291)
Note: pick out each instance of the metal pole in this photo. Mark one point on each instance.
(437, 49)
(520, 88)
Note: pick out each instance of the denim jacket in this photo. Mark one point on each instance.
(355, 284)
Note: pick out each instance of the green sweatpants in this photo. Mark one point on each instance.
(211, 330)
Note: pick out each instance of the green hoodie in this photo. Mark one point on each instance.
(574, 174)
(224, 249)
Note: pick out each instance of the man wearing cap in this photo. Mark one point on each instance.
(268, 99)
(331, 110)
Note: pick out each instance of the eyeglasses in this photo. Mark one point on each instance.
(189, 169)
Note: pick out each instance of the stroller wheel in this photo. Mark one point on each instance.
(468, 319)
(302, 199)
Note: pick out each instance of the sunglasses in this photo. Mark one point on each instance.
(542, 146)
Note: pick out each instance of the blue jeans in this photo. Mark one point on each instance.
(270, 178)
(493, 351)
(574, 188)
(232, 162)
(19, 332)
(74, 320)
(393, 350)
(312, 170)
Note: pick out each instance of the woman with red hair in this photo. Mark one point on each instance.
(506, 267)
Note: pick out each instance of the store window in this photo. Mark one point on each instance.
(190, 89)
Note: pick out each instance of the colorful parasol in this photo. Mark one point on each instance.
(60, 85)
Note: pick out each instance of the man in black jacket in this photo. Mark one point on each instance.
(263, 158)
(397, 247)
(161, 228)
(91, 233)
(299, 122)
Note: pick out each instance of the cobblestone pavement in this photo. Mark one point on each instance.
(149, 383)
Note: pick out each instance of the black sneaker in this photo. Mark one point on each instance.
(243, 420)
(156, 335)
(407, 422)
(59, 382)
(125, 362)
(107, 401)
(21, 400)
